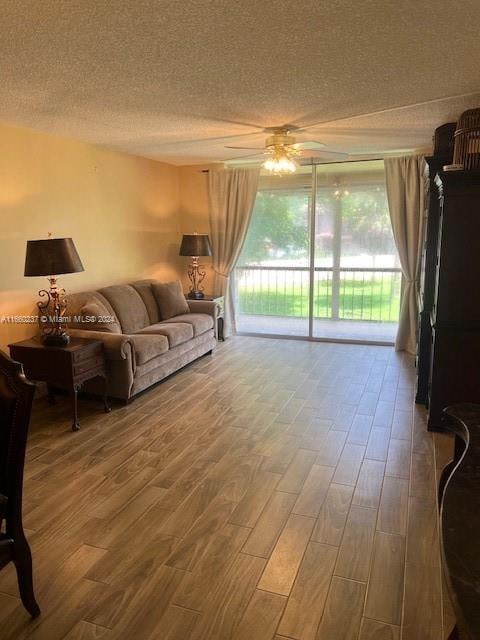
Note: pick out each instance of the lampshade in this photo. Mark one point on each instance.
(51, 257)
(196, 244)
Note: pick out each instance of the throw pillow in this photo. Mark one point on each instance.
(96, 317)
(170, 299)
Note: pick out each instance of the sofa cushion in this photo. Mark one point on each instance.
(170, 299)
(176, 332)
(176, 358)
(200, 322)
(148, 347)
(128, 306)
(144, 288)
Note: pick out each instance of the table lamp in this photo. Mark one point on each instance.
(50, 258)
(195, 245)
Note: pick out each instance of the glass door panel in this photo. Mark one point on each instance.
(272, 277)
(364, 280)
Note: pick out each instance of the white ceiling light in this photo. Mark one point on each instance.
(280, 164)
(281, 151)
(280, 160)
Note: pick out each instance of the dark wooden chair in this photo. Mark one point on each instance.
(16, 396)
(459, 495)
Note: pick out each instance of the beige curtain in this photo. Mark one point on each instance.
(405, 192)
(231, 196)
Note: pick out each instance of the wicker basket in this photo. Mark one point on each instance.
(443, 139)
(467, 140)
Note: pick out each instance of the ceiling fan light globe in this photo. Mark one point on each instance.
(269, 164)
(280, 164)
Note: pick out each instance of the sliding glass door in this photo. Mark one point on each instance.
(319, 260)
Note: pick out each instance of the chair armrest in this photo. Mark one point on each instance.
(209, 307)
(117, 346)
(3, 506)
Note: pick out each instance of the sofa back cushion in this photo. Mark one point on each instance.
(170, 299)
(91, 303)
(144, 289)
(128, 307)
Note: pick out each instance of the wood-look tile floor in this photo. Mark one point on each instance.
(277, 490)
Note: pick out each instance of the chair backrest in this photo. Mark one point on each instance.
(16, 397)
(459, 494)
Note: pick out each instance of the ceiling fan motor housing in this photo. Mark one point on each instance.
(279, 139)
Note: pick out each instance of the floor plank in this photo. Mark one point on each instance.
(349, 464)
(270, 524)
(307, 600)
(287, 555)
(369, 484)
(293, 479)
(356, 548)
(343, 610)
(313, 493)
(261, 616)
(385, 589)
(228, 603)
(333, 515)
(374, 630)
(392, 514)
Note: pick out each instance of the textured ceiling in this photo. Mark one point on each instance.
(174, 80)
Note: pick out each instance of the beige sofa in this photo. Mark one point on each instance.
(142, 348)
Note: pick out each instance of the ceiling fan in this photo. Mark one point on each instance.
(281, 150)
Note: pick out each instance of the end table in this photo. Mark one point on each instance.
(65, 367)
(221, 313)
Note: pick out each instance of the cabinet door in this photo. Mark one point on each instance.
(436, 262)
(455, 374)
(457, 301)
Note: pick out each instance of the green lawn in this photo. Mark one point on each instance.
(377, 300)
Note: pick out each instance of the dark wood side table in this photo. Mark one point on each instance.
(63, 367)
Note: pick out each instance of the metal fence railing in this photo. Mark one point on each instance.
(344, 293)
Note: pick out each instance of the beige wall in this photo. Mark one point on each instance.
(122, 212)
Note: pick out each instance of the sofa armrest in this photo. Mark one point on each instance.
(209, 307)
(117, 346)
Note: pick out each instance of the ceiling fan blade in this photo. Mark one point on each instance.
(309, 144)
(151, 143)
(260, 156)
(244, 124)
(327, 155)
(246, 148)
(369, 132)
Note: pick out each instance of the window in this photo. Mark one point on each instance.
(319, 258)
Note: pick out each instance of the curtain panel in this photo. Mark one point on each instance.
(405, 193)
(231, 196)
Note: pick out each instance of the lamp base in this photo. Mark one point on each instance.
(195, 295)
(60, 340)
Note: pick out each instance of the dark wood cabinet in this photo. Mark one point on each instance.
(433, 164)
(452, 316)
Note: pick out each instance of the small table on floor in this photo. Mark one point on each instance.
(220, 300)
(221, 313)
(65, 367)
